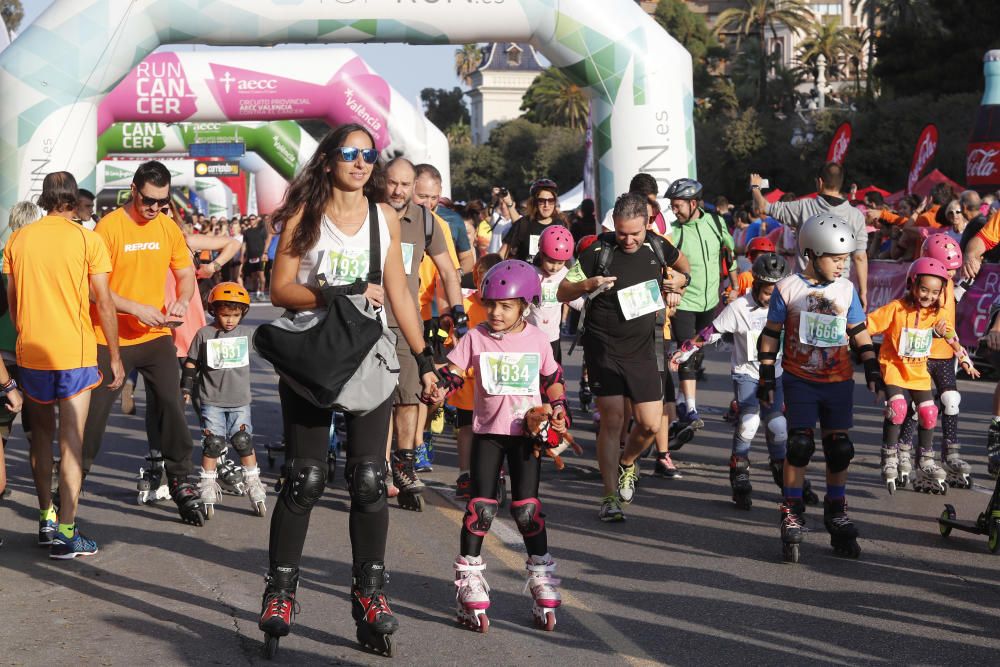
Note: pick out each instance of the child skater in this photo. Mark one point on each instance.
(555, 248)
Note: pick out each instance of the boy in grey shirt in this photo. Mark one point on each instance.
(218, 362)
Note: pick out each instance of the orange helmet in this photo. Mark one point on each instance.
(229, 293)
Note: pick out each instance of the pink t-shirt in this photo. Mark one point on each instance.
(548, 316)
(508, 374)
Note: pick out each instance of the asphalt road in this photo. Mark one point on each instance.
(688, 579)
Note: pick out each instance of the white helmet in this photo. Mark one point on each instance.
(826, 234)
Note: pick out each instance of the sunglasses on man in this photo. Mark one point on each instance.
(350, 154)
(153, 202)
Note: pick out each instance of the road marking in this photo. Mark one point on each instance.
(445, 502)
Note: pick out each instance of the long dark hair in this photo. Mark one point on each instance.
(311, 190)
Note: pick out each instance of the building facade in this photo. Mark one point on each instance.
(498, 86)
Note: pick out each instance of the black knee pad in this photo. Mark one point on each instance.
(305, 480)
(242, 442)
(528, 516)
(689, 369)
(213, 446)
(366, 484)
(838, 450)
(479, 515)
(801, 447)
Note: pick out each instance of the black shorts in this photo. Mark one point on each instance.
(635, 376)
(463, 418)
(685, 324)
(251, 268)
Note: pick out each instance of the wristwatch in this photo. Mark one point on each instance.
(215, 266)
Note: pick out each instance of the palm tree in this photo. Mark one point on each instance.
(756, 19)
(467, 59)
(554, 99)
(829, 39)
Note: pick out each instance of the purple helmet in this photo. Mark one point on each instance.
(512, 279)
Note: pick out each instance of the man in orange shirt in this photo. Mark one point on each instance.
(144, 244)
(56, 267)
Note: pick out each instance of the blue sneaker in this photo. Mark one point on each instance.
(693, 420)
(424, 455)
(66, 548)
(46, 531)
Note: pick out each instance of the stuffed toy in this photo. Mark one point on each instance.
(537, 423)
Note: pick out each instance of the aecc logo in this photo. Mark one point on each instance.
(247, 85)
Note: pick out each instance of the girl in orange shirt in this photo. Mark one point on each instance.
(909, 325)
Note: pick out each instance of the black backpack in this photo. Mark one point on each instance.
(607, 245)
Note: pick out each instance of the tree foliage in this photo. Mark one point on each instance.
(554, 99)
(445, 108)
(692, 32)
(467, 59)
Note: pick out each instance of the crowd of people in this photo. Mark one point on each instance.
(478, 300)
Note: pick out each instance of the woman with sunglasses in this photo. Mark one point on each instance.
(521, 242)
(324, 223)
(952, 219)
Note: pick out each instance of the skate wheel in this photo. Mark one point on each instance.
(546, 622)
(209, 511)
(891, 486)
(270, 646)
(142, 498)
(942, 526)
(790, 553)
(484, 624)
(259, 508)
(993, 543)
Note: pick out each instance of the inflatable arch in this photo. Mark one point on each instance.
(258, 85)
(54, 75)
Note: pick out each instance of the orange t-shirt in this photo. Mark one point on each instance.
(940, 349)
(429, 273)
(891, 320)
(51, 262)
(929, 218)
(990, 233)
(463, 398)
(141, 254)
(744, 282)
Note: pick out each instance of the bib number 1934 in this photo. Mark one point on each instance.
(510, 374)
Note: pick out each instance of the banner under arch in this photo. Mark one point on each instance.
(117, 174)
(55, 74)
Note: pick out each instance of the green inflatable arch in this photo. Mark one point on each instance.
(55, 74)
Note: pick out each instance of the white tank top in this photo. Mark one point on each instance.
(342, 258)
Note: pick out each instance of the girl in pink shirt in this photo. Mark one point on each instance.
(514, 370)
(555, 248)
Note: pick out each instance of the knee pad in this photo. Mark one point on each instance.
(838, 450)
(927, 414)
(801, 447)
(213, 446)
(689, 369)
(748, 425)
(950, 401)
(242, 442)
(777, 428)
(304, 484)
(366, 484)
(479, 515)
(528, 516)
(895, 410)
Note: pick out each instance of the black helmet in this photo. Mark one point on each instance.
(544, 184)
(768, 268)
(684, 188)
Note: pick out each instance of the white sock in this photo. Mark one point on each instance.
(691, 405)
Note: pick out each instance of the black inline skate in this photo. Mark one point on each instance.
(189, 504)
(278, 606)
(843, 532)
(370, 608)
(792, 530)
(993, 449)
(404, 477)
(152, 482)
(739, 480)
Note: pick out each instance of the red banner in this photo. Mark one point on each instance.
(972, 317)
(982, 164)
(886, 281)
(922, 155)
(838, 145)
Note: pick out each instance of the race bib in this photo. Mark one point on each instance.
(549, 291)
(821, 330)
(228, 352)
(533, 245)
(346, 265)
(915, 343)
(407, 257)
(641, 299)
(510, 374)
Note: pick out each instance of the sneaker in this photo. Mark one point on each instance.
(437, 423)
(66, 548)
(463, 486)
(424, 454)
(693, 420)
(47, 530)
(627, 478)
(611, 509)
(665, 467)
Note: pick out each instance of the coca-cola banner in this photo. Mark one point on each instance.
(924, 153)
(982, 164)
(838, 145)
(972, 317)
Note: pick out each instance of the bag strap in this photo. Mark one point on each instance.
(429, 225)
(374, 245)
(605, 253)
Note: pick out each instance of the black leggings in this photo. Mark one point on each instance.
(557, 350)
(307, 439)
(523, 468)
(891, 432)
(942, 372)
(156, 360)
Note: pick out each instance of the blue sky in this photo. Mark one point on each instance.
(394, 62)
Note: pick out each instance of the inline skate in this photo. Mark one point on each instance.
(473, 595)
(278, 606)
(370, 608)
(231, 477)
(209, 490)
(739, 480)
(792, 530)
(958, 473)
(152, 482)
(930, 476)
(255, 490)
(843, 532)
(890, 468)
(404, 478)
(905, 454)
(188, 502)
(544, 591)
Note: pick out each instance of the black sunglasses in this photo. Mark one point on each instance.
(350, 154)
(153, 201)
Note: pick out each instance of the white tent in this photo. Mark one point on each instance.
(572, 199)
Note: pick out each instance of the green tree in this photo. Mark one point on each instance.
(692, 32)
(12, 13)
(831, 40)
(554, 99)
(445, 108)
(459, 133)
(467, 59)
(758, 18)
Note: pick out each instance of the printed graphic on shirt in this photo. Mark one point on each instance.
(510, 374)
(227, 352)
(533, 246)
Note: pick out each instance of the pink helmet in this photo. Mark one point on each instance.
(556, 243)
(926, 266)
(944, 249)
(512, 279)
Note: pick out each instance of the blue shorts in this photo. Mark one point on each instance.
(830, 402)
(52, 386)
(225, 421)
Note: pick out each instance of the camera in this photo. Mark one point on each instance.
(504, 192)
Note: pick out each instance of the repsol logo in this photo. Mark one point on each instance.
(132, 247)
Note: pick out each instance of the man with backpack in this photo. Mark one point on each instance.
(702, 237)
(628, 277)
